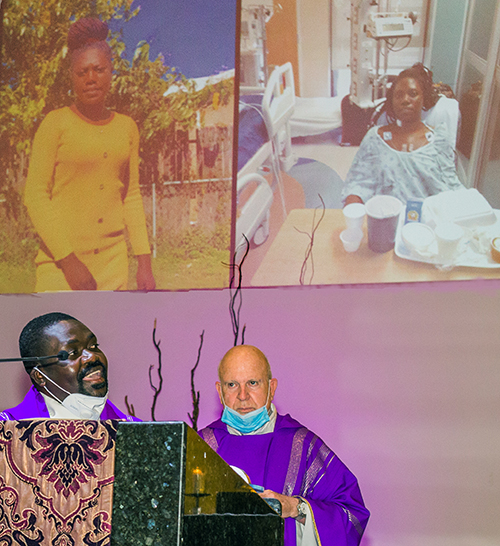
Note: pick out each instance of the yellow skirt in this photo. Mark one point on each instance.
(107, 264)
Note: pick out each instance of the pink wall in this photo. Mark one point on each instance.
(401, 381)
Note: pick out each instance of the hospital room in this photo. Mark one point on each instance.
(312, 83)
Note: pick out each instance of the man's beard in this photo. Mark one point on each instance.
(89, 389)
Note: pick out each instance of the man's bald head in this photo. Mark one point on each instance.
(245, 380)
(244, 353)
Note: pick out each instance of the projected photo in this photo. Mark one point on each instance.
(116, 133)
(367, 144)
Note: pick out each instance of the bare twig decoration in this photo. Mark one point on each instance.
(309, 249)
(235, 294)
(130, 407)
(157, 389)
(195, 395)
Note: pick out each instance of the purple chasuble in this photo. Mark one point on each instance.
(33, 407)
(292, 460)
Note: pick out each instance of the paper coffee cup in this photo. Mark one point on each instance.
(448, 235)
(354, 215)
(383, 214)
(351, 239)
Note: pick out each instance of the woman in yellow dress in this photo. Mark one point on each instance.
(82, 191)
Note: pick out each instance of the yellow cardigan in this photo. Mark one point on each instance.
(83, 183)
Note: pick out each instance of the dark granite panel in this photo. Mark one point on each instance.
(165, 470)
(244, 502)
(148, 488)
(233, 530)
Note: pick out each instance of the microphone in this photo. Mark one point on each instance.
(61, 355)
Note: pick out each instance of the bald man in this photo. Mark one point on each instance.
(320, 497)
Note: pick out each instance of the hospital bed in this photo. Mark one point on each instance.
(316, 115)
(264, 146)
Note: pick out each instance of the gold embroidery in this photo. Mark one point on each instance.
(311, 446)
(314, 469)
(355, 521)
(209, 437)
(325, 469)
(294, 464)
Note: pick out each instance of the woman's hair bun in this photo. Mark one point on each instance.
(86, 31)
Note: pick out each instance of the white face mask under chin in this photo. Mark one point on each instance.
(83, 406)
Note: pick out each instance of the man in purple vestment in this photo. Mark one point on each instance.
(321, 501)
(72, 385)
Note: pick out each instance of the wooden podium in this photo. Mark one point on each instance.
(94, 483)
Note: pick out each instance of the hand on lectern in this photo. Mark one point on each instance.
(288, 504)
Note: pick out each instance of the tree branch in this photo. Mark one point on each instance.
(309, 249)
(130, 407)
(195, 395)
(235, 294)
(156, 389)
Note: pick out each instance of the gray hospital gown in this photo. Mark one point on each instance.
(379, 169)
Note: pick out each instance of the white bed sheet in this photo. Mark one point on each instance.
(313, 116)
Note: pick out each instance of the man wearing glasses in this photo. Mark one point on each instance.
(71, 385)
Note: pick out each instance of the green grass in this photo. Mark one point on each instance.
(191, 259)
(17, 279)
(173, 271)
(18, 248)
(194, 258)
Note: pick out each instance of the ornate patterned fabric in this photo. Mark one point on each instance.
(56, 481)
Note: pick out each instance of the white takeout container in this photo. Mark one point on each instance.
(465, 207)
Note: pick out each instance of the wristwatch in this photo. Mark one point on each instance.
(301, 508)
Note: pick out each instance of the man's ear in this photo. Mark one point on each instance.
(37, 378)
(273, 385)
(219, 391)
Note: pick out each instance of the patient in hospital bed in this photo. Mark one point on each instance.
(405, 158)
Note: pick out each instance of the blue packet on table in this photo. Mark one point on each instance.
(413, 211)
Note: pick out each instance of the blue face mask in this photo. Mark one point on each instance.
(245, 423)
(248, 422)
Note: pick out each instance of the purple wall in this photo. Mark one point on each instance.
(401, 381)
